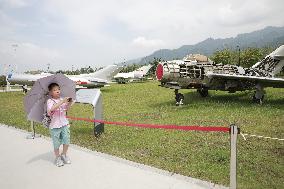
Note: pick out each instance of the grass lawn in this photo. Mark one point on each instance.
(203, 155)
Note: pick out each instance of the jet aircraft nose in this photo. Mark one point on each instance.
(159, 71)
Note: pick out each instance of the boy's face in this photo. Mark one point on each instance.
(55, 92)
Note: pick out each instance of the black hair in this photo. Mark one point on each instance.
(52, 85)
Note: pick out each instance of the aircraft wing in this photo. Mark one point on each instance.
(265, 81)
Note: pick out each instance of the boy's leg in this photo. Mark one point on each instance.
(65, 141)
(56, 152)
(64, 157)
(55, 135)
(65, 149)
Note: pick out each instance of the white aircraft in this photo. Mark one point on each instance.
(92, 80)
(138, 74)
(99, 78)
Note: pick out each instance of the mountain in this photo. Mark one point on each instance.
(269, 36)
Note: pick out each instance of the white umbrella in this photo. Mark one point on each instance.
(35, 100)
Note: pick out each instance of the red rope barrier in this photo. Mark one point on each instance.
(176, 127)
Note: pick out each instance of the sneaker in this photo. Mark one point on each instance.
(59, 162)
(65, 159)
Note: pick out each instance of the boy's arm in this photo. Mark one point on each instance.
(57, 105)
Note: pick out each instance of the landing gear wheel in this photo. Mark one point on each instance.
(203, 92)
(257, 100)
(179, 98)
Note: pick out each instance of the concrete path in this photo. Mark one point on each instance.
(28, 164)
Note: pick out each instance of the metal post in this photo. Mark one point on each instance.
(33, 135)
(99, 127)
(234, 131)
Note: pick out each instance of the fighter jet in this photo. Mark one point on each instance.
(24, 79)
(92, 80)
(97, 79)
(199, 72)
(138, 74)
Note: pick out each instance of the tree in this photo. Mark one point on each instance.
(250, 56)
(3, 80)
(130, 68)
(225, 56)
(60, 71)
(154, 63)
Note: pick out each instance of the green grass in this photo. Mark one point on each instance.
(203, 155)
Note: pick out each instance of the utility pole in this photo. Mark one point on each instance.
(239, 54)
(10, 69)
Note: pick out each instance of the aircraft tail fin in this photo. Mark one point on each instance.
(107, 72)
(272, 63)
(144, 69)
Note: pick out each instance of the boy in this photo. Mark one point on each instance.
(59, 125)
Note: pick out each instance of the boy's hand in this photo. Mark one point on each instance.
(66, 99)
(70, 100)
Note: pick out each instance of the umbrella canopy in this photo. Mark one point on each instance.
(35, 100)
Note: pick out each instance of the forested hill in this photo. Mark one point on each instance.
(269, 36)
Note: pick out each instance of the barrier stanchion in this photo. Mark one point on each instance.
(234, 131)
(33, 135)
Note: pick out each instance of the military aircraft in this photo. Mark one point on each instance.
(97, 79)
(138, 74)
(199, 72)
(93, 80)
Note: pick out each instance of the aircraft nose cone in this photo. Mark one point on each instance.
(159, 71)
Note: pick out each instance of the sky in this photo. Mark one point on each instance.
(62, 34)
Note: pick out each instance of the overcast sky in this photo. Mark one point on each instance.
(62, 33)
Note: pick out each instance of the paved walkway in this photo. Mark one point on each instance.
(28, 164)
